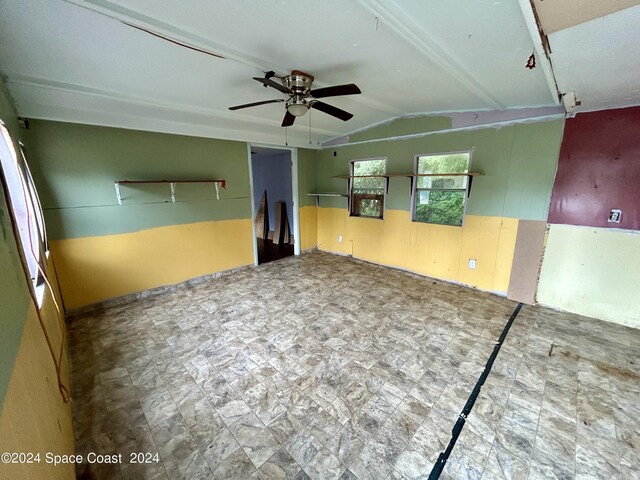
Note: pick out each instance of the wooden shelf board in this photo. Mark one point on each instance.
(125, 182)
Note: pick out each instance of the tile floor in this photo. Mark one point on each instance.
(325, 367)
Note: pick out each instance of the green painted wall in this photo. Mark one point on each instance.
(518, 161)
(75, 166)
(14, 293)
(307, 176)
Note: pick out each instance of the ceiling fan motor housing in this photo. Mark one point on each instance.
(298, 82)
(300, 86)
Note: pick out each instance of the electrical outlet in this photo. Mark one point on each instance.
(339, 238)
(614, 216)
(472, 263)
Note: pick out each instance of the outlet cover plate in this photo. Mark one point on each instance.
(615, 216)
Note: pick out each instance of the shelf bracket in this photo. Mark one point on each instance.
(118, 197)
(217, 185)
(173, 192)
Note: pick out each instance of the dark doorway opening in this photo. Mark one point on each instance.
(273, 202)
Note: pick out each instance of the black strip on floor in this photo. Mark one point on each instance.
(438, 467)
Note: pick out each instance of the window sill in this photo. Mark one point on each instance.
(366, 216)
(435, 223)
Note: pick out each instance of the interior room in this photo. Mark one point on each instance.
(335, 239)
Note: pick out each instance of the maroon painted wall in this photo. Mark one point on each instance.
(599, 170)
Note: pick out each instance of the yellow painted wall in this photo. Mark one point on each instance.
(308, 228)
(94, 269)
(34, 417)
(434, 250)
(593, 272)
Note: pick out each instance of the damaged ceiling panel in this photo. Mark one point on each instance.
(556, 15)
(599, 61)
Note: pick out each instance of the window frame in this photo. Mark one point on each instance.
(36, 240)
(384, 189)
(35, 199)
(414, 186)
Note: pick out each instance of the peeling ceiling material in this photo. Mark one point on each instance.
(558, 15)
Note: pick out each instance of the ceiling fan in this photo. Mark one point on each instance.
(301, 97)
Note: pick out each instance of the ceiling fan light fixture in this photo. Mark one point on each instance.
(297, 109)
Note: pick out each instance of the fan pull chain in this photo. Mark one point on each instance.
(286, 139)
(309, 126)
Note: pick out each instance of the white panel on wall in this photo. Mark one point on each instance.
(593, 272)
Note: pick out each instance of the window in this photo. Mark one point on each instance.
(22, 199)
(35, 199)
(440, 198)
(368, 187)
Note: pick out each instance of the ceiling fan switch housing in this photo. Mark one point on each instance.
(298, 84)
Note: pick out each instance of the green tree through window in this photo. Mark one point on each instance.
(440, 199)
(367, 194)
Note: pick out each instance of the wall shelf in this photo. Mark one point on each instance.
(328, 194)
(172, 186)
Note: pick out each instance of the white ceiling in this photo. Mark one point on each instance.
(599, 60)
(556, 16)
(73, 60)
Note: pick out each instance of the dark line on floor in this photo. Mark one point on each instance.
(438, 467)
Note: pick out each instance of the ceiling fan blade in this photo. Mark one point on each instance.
(288, 119)
(331, 110)
(336, 91)
(255, 104)
(271, 83)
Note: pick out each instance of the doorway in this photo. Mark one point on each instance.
(272, 191)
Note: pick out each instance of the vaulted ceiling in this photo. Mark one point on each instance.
(75, 60)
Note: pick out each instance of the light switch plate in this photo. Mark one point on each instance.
(472, 263)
